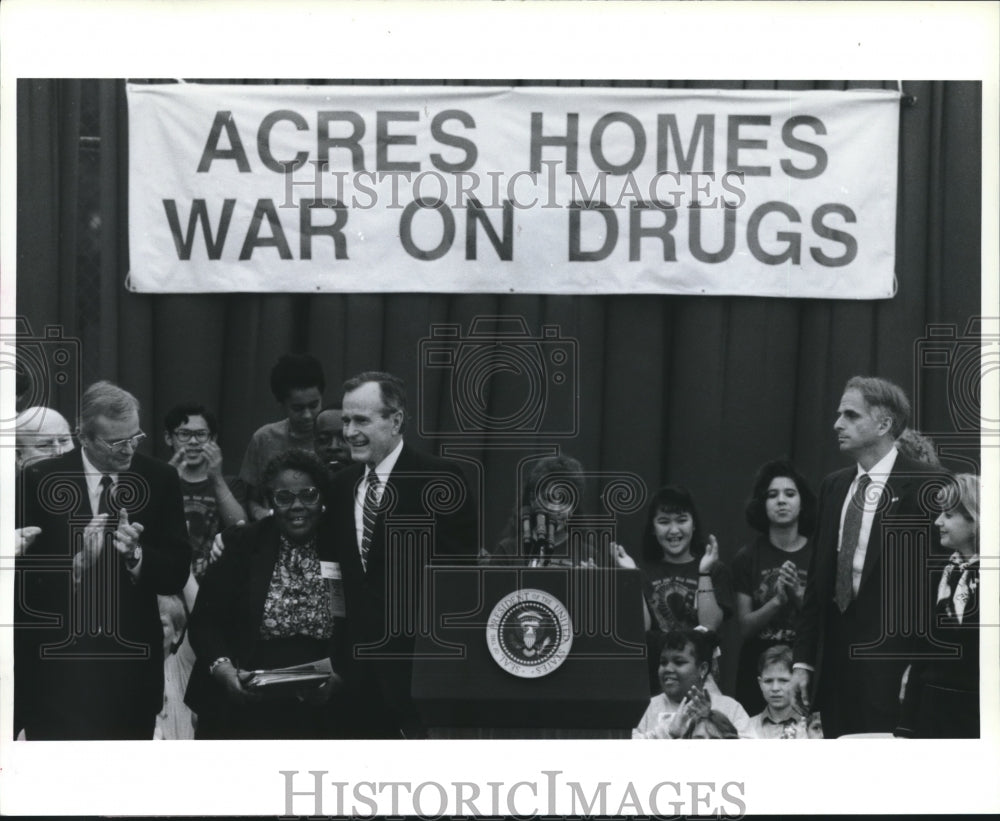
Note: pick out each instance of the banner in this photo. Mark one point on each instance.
(562, 190)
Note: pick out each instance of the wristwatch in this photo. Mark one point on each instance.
(133, 558)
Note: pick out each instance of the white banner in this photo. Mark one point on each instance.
(560, 190)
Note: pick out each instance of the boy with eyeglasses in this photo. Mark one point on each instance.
(209, 503)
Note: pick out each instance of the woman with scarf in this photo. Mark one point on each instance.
(941, 697)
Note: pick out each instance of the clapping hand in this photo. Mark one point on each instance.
(93, 546)
(127, 535)
(788, 579)
(23, 537)
(621, 557)
(695, 706)
(711, 556)
(213, 458)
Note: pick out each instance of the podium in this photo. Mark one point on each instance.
(532, 652)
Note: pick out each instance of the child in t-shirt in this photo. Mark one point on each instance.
(780, 718)
(685, 659)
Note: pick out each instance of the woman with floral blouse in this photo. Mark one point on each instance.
(266, 605)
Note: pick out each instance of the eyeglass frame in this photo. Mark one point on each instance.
(296, 497)
(184, 435)
(118, 446)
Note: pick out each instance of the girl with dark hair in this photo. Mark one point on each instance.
(685, 583)
(769, 573)
(685, 657)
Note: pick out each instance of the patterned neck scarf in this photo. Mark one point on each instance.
(958, 584)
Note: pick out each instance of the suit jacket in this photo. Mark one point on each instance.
(873, 619)
(89, 654)
(227, 614)
(427, 516)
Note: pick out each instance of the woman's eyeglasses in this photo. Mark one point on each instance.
(286, 498)
(185, 435)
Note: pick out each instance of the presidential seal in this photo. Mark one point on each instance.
(529, 633)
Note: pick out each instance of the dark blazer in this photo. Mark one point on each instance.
(230, 606)
(89, 657)
(427, 517)
(860, 693)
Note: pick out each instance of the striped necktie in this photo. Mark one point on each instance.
(844, 591)
(368, 514)
(104, 501)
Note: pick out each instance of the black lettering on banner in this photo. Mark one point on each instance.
(383, 139)
(636, 230)
(223, 122)
(826, 232)
(818, 153)
(264, 141)
(792, 251)
(576, 254)
(265, 209)
(735, 144)
(199, 214)
(476, 214)
(324, 142)
(638, 142)
(728, 235)
(704, 129)
(406, 229)
(453, 140)
(335, 230)
(570, 142)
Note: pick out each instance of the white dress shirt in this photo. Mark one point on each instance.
(879, 475)
(93, 477)
(382, 470)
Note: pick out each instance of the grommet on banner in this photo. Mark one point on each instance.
(909, 100)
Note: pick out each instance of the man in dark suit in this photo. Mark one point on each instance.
(88, 641)
(392, 513)
(865, 614)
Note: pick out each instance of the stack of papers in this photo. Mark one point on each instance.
(287, 681)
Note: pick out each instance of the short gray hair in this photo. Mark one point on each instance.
(104, 399)
(885, 396)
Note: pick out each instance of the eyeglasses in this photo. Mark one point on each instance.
(286, 498)
(121, 444)
(186, 435)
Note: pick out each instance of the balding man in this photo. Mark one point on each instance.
(41, 433)
(89, 664)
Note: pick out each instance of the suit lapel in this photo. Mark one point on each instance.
(400, 485)
(897, 485)
(344, 529)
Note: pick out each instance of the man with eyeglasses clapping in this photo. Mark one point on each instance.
(88, 639)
